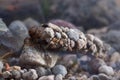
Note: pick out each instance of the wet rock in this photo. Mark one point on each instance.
(30, 75)
(29, 22)
(50, 77)
(59, 69)
(73, 34)
(106, 69)
(59, 77)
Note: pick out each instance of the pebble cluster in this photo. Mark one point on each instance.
(56, 52)
(60, 38)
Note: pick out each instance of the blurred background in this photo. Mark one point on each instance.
(85, 13)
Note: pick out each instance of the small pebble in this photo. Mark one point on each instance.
(50, 77)
(103, 77)
(59, 69)
(6, 74)
(94, 77)
(58, 35)
(16, 74)
(59, 77)
(41, 71)
(55, 27)
(73, 34)
(106, 69)
(49, 33)
(30, 75)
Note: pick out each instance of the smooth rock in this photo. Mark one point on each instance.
(55, 27)
(30, 22)
(73, 34)
(68, 60)
(30, 75)
(106, 69)
(95, 63)
(59, 69)
(13, 39)
(49, 32)
(59, 77)
(94, 77)
(103, 77)
(41, 71)
(6, 74)
(16, 74)
(18, 29)
(72, 78)
(58, 35)
(50, 77)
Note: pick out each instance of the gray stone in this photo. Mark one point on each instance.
(32, 56)
(103, 77)
(18, 29)
(113, 37)
(106, 69)
(94, 77)
(29, 22)
(6, 74)
(50, 77)
(41, 71)
(30, 75)
(59, 77)
(73, 34)
(58, 35)
(16, 74)
(59, 69)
